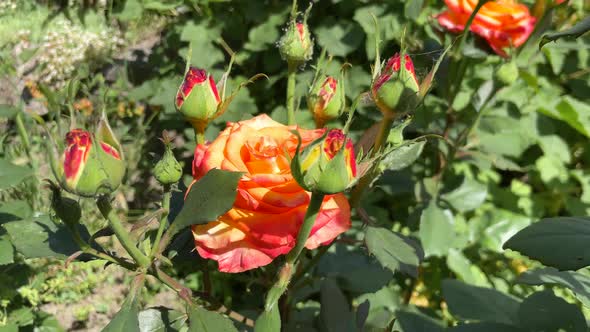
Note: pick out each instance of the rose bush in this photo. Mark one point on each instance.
(270, 205)
(502, 23)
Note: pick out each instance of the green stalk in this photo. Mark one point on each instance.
(292, 68)
(311, 215)
(22, 131)
(104, 205)
(480, 4)
(87, 249)
(459, 67)
(163, 221)
(287, 271)
(199, 136)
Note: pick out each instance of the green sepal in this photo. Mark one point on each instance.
(102, 173)
(168, 170)
(292, 48)
(334, 177)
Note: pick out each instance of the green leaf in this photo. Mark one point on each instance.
(126, 319)
(268, 321)
(162, 7)
(8, 111)
(11, 175)
(393, 251)
(556, 57)
(436, 230)
(477, 303)
(413, 8)
(161, 320)
(574, 32)
(339, 38)
(14, 210)
(362, 313)
(577, 282)
(415, 321)
(466, 270)
(402, 156)
(572, 111)
(129, 11)
(485, 327)
(543, 311)
(335, 314)
(468, 196)
(6, 249)
(554, 145)
(211, 196)
(202, 320)
(545, 241)
(351, 268)
(10, 327)
(22, 316)
(262, 36)
(37, 237)
(202, 39)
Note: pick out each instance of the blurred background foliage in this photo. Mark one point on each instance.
(526, 158)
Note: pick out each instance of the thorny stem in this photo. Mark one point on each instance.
(311, 215)
(464, 135)
(104, 205)
(187, 295)
(292, 74)
(311, 263)
(87, 249)
(199, 136)
(455, 86)
(286, 272)
(163, 221)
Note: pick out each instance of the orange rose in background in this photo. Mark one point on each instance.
(270, 205)
(503, 23)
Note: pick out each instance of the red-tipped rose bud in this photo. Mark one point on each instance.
(296, 45)
(91, 165)
(396, 89)
(197, 98)
(327, 165)
(325, 100)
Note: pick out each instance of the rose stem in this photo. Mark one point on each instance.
(199, 136)
(104, 205)
(186, 294)
(287, 270)
(163, 220)
(87, 249)
(311, 215)
(292, 68)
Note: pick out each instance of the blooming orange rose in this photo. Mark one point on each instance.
(270, 205)
(503, 23)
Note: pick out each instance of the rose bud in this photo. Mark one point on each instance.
(296, 45)
(197, 98)
(327, 165)
(325, 100)
(396, 89)
(507, 73)
(167, 170)
(91, 165)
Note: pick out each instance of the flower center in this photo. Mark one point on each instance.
(262, 147)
